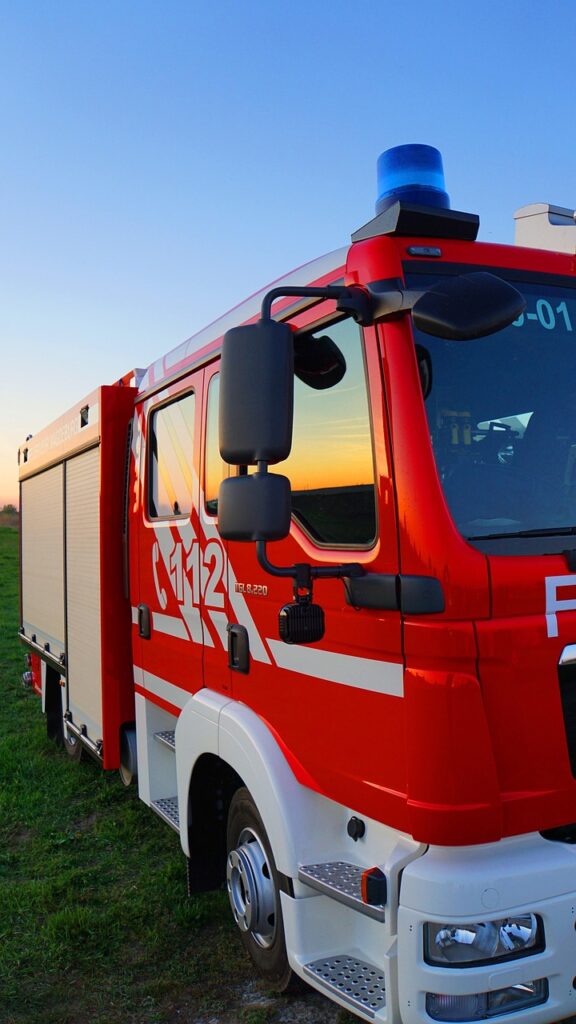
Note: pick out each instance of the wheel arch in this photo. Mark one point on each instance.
(221, 745)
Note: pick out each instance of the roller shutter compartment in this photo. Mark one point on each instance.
(83, 591)
(42, 525)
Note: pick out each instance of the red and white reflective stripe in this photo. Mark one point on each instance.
(196, 576)
(170, 625)
(364, 673)
(161, 688)
(386, 677)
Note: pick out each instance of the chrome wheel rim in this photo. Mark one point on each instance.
(251, 889)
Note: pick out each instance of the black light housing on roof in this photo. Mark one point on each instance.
(420, 221)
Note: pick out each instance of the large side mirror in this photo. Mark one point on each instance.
(257, 393)
(256, 410)
(468, 306)
(254, 507)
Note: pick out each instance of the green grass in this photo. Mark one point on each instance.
(95, 923)
(94, 918)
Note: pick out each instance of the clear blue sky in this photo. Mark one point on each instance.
(162, 160)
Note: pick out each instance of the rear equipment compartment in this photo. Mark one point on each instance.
(75, 613)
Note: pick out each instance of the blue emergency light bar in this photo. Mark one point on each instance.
(412, 198)
(412, 174)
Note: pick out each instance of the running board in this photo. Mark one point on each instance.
(167, 738)
(359, 984)
(167, 809)
(342, 882)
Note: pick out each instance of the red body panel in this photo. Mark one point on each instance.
(117, 688)
(518, 673)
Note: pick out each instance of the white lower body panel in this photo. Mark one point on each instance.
(522, 875)
(373, 963)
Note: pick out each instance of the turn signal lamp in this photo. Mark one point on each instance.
(484, 1005)
(412, 173)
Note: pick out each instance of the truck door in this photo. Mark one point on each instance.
(168, 616)
(331, 702)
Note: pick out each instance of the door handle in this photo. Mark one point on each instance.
(144, 621)
(238, 648)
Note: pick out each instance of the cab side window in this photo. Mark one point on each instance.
(171, 435)
(215, 469)
(331, 465)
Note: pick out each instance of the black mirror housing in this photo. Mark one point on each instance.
(257, 393)
(467, 307)
(255, 507)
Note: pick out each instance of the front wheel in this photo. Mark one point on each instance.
(252, 882)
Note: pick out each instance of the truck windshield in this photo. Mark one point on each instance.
(502, 417)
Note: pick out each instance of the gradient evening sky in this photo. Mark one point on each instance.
(163, 159)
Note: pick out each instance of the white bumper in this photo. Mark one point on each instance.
(525, 874)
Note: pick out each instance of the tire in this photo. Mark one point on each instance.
(56, 729)
(128, 756)
(72, 744)
(254, 894)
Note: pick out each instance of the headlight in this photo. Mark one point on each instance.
(475, 943)
(482, 1005)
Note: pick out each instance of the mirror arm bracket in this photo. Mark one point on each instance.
(389, 298)
(303, 573)
(380, 300)
(328, 292)
(364, 304)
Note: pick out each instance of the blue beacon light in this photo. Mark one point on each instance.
(412, 173)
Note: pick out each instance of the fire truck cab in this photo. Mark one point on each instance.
(310, 579)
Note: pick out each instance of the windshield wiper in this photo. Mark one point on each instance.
(560, 531)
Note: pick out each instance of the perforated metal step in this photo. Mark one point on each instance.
(343, 882)
(167, 809)
(362, 985)
(167, 738)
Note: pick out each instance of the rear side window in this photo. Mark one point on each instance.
(171, 435)
(331, 465)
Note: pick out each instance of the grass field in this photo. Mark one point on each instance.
(95, 924)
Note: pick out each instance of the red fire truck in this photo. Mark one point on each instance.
(349, 684)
